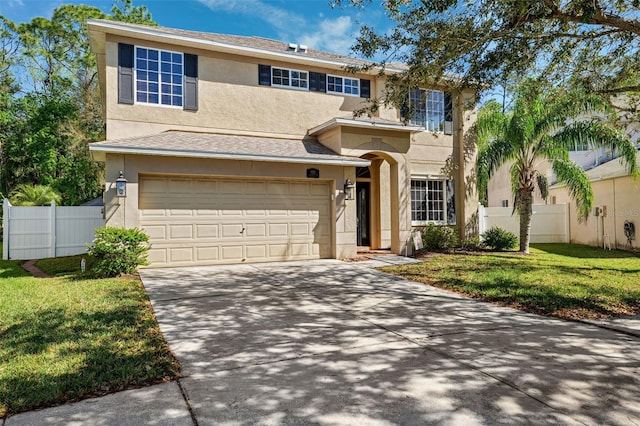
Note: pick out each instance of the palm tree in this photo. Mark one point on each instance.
(545, 126)
(33, 195)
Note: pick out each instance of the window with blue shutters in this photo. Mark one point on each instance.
(431, 109)
(159, 77)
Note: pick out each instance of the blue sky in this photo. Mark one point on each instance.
(310, 22)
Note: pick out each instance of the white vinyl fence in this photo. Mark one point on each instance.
(549, 223)
(50, 231)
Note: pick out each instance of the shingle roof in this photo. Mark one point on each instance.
(245, 41)
(213, 145)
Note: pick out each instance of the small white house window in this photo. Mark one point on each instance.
(293, 79)
(343, 85)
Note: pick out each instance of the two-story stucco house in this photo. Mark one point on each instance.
(243, 149)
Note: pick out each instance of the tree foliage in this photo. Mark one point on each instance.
(589, 44)
(33, 195)
(544, 126)
(50, 107)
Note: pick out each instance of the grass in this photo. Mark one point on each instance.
(68, 338)
(64, 265)
(564, 280)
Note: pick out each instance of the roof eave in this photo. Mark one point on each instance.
(343, 122)
(159, 36)
(99, 152)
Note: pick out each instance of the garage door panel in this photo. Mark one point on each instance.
(157, 256)
(300, 250)
(206, 231)
(231, 187)
(298, 229)
(153, 185)
(206, 254)
(256, 251)
(180, 186)
(180, 254)
(255, 187)
(277, 188)
(278, 230)
(156, 232)
(232, 253)
(231, 230)
(234, 220)
(180, 232)
(256, 230)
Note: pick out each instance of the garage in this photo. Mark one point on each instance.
(222, 220)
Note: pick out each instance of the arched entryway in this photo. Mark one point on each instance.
(377, 203)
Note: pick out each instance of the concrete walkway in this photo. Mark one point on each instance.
(327, 342)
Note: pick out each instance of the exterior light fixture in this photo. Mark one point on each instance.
(121, 186)
(349, 188)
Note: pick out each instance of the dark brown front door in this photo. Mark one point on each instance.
(363, 192)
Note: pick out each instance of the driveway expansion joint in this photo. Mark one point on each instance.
(188, 403)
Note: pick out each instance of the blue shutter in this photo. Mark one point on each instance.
(365, 88)
(317, 82)
(448, 113)
(451, 202)
(125, 73)
(190, 82)
(264, 75)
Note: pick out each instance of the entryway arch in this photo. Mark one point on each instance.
(380, 202)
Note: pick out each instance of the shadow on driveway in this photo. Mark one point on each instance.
(327, 342)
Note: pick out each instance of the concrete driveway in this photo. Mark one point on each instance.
(327, 342)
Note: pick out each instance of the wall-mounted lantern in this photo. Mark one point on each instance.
(121, 186)
(349, 188)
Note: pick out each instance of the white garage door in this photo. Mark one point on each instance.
(203, 221)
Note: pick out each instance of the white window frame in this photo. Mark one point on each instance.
(171, 85)
(290, 78)
(353, 83)
(429, 212)
(428, 106)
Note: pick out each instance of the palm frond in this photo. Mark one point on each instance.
(491, 125)
(514, 175)
(577, 182)
(598, 135)
(563, 107)
(33, 195)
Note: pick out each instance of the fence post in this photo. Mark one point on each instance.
(6, 216)
(52, 229)
(567, 224)
(482, 224)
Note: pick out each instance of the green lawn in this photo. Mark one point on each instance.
(564, 280)
(64, 265)
(67, 338)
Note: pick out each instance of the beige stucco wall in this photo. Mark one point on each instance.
(621, 197)
(124, 212)
(229, 99)
(499, 187)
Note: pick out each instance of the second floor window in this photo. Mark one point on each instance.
(428, 109)
(289, 78)
(348, 86)
(159, 77)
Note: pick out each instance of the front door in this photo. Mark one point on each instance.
(363, 192)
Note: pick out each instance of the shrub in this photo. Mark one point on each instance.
(499, 239)
(118, 250)
(472, 244)
(439, 237)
